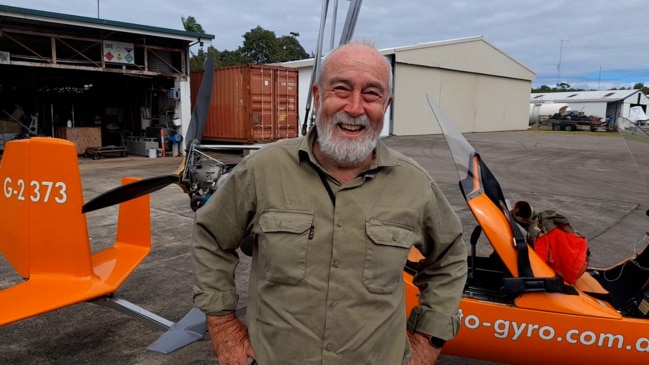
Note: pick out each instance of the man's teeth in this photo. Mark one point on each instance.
(351, 127)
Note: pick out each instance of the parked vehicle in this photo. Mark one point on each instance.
(573, 120)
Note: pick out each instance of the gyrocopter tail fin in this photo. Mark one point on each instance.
(45, 236)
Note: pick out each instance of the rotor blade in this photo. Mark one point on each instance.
(202, 107)
(316, 62)
(350, 21)
(127, 192)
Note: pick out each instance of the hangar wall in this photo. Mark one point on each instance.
(474, 102)
(479, 87)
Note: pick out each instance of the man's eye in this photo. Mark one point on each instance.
(341, 91)
(371, 96)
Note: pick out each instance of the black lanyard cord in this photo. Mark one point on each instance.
(323, 178)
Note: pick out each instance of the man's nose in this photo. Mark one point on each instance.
(354, 105)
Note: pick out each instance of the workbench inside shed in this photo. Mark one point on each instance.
(140, 145)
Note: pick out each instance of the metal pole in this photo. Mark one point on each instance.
(316, 64)
(350, 21)
(333, 25)
(52, 118)
(599, 78)
(559, 65)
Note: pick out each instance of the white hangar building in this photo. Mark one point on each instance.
(479, 87)
(613, 103)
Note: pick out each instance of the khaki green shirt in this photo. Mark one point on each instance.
(326, 283)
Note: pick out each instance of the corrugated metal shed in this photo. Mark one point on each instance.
(55, 52)
(477, 85)
(602, 103)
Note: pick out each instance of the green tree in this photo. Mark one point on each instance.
(263, 46)
(191, 25)
(196, 62)
(260, 46)
(561, 87)
(231, 58)
(543, 89)
(290, 48)
(640, 86)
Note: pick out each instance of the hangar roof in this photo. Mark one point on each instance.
(584, 96)
(467, 54)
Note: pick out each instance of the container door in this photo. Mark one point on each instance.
(262, 97)
(286, 94)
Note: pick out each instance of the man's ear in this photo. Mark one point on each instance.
(315, 92)
(387, 104)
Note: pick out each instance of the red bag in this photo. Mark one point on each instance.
(554, 240)
(566, 252)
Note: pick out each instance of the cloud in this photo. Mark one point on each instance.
(611, 35)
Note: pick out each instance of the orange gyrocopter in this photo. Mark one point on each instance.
(515, 308)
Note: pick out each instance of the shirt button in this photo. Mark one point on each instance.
(329, 347)
(395, 237)
(339, 223)
(336, 263)
(332, 303)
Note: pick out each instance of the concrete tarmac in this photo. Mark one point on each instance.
(588, 176)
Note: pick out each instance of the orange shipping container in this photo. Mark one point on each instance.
(251, 104)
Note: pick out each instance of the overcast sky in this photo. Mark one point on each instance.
(598, 44)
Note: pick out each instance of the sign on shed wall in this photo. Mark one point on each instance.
(119, 52)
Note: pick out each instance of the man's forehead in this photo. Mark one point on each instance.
(358, 52)
(351, 62)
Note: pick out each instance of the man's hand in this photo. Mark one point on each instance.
(230, 340)
(423, 353)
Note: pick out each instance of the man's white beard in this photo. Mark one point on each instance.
(346, 152)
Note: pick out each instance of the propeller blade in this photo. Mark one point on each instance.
(130, 191)
(195, 129)
(202, 107)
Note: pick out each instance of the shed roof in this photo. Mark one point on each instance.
(471, 54)
(584, 96)
(459, 41)
(98, 23)
(405, 54)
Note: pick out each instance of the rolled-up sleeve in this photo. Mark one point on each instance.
(443, 271)
(219, 227)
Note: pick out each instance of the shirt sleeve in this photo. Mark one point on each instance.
(219, 227)
(442, 273)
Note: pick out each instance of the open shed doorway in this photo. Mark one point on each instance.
(120, 105)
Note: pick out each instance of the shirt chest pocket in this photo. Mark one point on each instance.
(385, 255)
(283, 244)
